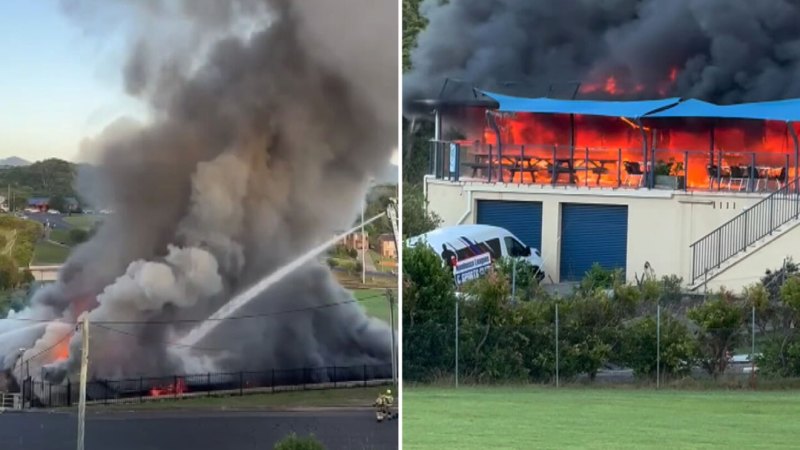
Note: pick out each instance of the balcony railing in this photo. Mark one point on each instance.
(611, 167)
(741, 232)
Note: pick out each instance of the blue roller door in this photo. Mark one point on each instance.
(592, 234)
(523, 219)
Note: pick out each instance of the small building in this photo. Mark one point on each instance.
(39, 203)
(387, 246)
(42, 204)
(356, 240)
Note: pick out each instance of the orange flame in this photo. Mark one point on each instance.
(173, 389)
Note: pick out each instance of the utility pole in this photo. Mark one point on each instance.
(363, 250)
(390, 297)
(84, 375)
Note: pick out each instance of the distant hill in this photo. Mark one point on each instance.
(14, 161)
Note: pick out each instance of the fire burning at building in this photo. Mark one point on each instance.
(642, 50)
(268, 120)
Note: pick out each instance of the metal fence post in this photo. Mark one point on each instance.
(557, 345)
(141, 389)
(69, 392)
(272, 382)
(241, 383)
(456, 339)
(364, 373)
(208, 383)
(334, 375)
(658, 345)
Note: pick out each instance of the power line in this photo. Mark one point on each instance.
(65, 337)
(209, 319)
(174, 344)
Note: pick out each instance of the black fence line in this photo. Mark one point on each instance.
(41, 393)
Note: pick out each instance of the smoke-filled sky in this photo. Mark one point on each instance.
(716, 50)
(61, 80)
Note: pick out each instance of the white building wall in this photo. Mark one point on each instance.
(661, 224)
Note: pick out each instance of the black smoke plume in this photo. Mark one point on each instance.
(723, 51)
(268, 119)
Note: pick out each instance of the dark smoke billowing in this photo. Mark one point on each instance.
(269, 117)
(720, 50)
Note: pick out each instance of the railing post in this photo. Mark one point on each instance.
(685, 171)
(586, 169)
(272, 382)
(554, 168)
(241, 383)
(744, 235)
(619, 167)
(208, 384)
(719, 247)
(365, 375)
(771, 204)
(491, 165)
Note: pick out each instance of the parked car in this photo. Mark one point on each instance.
(466, 241)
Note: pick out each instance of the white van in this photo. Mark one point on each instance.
(471, 240)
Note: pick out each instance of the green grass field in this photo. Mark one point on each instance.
(84, 221)
(536, 417)
(49, 253)
(374, 301)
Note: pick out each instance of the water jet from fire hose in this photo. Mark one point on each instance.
(205, 328)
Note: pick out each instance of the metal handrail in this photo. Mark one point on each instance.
(736, 235)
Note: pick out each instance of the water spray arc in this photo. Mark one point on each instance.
(227, 310)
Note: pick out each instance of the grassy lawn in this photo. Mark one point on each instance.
(350, 397)
(49, 253)
(84, 221)
(375, 302)
(60, 236)
(535, 417)
(378, 260)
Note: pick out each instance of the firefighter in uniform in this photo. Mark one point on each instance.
(384, 405)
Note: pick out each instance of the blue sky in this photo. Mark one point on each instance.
(57, 83)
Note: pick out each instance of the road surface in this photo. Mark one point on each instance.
(195, 430)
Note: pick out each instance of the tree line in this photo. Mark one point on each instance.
(604, 321)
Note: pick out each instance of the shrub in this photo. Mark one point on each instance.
(720, 321)
(78, 235)
(677, 353)
(599, 278)
(294, 442)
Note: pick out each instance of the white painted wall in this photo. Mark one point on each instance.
(661, 224)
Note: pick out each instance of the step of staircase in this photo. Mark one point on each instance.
(741, 256)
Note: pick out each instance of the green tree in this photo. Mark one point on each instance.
(58, 203)
(10, 276)
(678, 349)
(720, 323)
(413, 23)
(416, 220)
(428, 314)
(527, 286)
(756, 296)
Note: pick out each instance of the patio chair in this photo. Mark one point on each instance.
(739, 176)
(781, 177)
(633, 169)
(714, 174)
